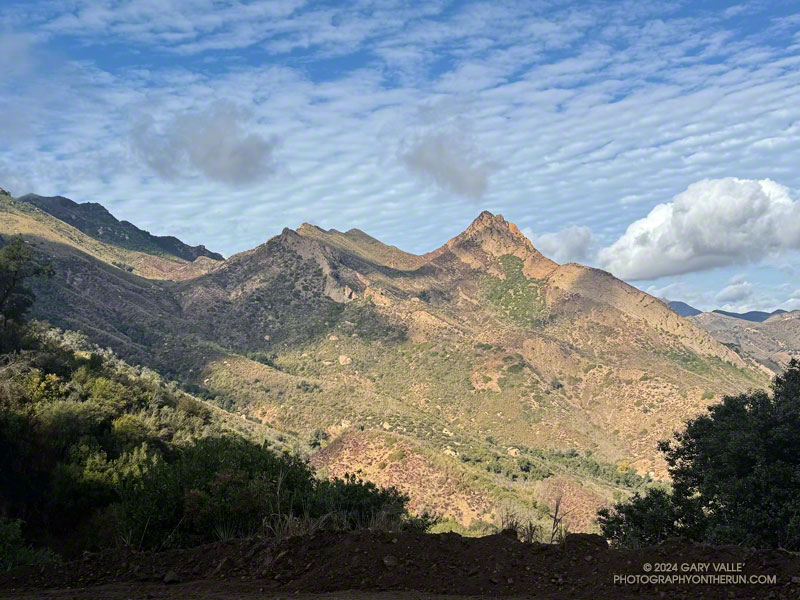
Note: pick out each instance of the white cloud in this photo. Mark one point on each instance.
(571, 244)
(213, 142)
(738, 290)
(675, 290)
(713, 223)
(582, 107)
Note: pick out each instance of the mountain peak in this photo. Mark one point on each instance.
(4, 193)
(487, 220)
(492, 236)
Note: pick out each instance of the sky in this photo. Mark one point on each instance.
(657, 140)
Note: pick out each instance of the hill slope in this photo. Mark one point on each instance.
(96, 222)
(62, 238)
(771, 342)
(756, 316)
(484, 354)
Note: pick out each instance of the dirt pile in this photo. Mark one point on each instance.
(497, 565)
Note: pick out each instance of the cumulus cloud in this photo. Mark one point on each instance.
(713, 223)
(213, 142)
(449, 160)
(737, 290)
(571, 244)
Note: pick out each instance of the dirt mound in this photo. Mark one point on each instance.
(497, 565)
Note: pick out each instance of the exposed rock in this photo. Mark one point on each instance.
(171, 577)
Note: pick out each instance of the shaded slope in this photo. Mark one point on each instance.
(23, 218)
(756, 316)
(96, 222)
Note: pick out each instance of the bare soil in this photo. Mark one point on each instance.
(365, 565)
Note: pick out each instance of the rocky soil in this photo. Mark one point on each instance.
(411, 565)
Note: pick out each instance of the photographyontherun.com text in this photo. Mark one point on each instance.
(694, 573)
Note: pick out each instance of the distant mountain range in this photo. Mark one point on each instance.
(481, 372)
(756, 316)
(683, 309)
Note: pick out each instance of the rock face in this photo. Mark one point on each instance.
(488, 238)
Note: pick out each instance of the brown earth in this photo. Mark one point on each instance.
(412, 565)
(396, 462)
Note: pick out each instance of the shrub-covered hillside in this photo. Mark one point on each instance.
(95, 453)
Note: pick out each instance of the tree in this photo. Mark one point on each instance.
(17, 264)
(735, 474)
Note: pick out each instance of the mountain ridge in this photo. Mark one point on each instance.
(486, 353)
(95, 220)
(757, 316)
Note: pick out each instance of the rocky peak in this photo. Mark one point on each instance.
(496, 225)
(309, 229)
(492, 235)
(4, 193)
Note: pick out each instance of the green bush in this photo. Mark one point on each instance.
(233, 485)
(640, 521)
(735, 473)
(14, 551)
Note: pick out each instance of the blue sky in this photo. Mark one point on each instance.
(657, 140)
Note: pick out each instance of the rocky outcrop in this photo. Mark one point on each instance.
(488, 238)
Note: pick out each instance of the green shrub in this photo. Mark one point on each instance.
(14, 551)
(735, 473)
(640, 521)
(230, 484)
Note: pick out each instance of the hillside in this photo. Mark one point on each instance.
(772, 342)
(65, 240)
(96, 222)
(500, 370)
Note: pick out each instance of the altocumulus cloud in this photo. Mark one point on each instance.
(713, 223)
(213, 142)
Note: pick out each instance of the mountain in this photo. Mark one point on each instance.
(59, 228)
(482, 369)
(96, 222)
(683, 309)
(757, 316)
(771, 342)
